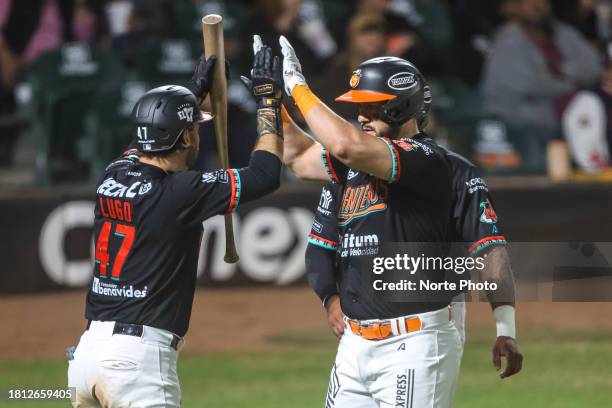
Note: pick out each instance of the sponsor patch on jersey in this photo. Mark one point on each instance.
(488, 216)
(406, 145)
(325, 202)
(359, 245)
(112, 188)
(411, 144)
(326, 199)
(222, 176)
(185, 112)
(355, 78)
(209, 177)
(475, 184)
(402, 81)
(145, 188)
(103, 288)
(352, 174)
(317, 226)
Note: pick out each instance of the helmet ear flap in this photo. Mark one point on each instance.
(397, 111)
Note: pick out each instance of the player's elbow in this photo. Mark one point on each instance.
(348, 151)
(262, 176)
(299, 169)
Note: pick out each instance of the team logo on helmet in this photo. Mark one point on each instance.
(402, 81)
(185, 112)
(354, 81)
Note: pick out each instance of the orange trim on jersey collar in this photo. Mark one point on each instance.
(359, 96)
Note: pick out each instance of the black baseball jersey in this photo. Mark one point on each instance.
(474, 218)
(148, 227)
(473, 222)
(413, 206)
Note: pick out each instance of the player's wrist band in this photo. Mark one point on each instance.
(304, 98)
(505, 321)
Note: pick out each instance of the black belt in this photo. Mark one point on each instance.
(136, 330)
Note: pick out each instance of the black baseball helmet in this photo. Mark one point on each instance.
(161, 115)
(395, 81)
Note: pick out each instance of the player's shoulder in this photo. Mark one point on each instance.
(128, 158)
(465, 172)
(420, 143)
(457, 160)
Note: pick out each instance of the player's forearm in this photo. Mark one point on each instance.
(270, 132)
(262, 176)
(321, 271)
(498, 270)
(341, 138)
(296, 141)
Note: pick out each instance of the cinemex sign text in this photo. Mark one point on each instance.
(271, 242)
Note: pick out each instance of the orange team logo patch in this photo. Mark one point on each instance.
(359, 201)
(354, 81)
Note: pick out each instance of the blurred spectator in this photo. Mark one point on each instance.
(533, 61)
(30, 27)
(591, 17)
(304, 25)
(365, 39)
(402, 37)
(474, 25)
(587, 123)
(148, 22)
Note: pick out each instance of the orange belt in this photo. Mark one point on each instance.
(383, 330)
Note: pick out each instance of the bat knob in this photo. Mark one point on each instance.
(231, 259)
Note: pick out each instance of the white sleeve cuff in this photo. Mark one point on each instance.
(505, 321)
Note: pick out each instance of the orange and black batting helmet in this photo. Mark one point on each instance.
(394, 81)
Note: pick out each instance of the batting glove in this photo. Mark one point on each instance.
(266, 84)
(292, 69)
(266, 79)
(202, 78)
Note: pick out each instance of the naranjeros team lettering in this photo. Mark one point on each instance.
(358, 201)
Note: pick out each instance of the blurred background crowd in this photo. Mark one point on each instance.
(508, 77)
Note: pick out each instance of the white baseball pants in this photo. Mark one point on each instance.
(458, 310)
(124, 371)
(414, 370)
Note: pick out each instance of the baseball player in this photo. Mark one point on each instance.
(148, 226)
(393, 189)
(474, 218)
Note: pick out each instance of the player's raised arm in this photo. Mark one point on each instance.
(301, 153)
(200, 196)
(353, 147)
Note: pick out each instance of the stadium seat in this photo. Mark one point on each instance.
(168, 61)
(109, 122)
(63, 83)
(499, 147)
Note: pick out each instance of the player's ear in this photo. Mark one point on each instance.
(187, 139)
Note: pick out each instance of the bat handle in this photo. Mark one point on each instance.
(231, 255)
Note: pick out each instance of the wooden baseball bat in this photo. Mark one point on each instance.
(212, 31)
